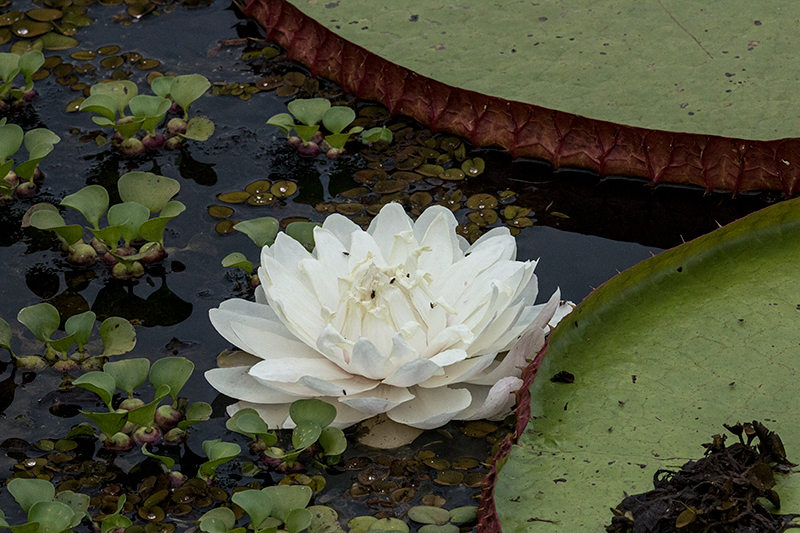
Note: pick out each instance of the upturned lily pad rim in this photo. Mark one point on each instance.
(527, 130)
(772, 219)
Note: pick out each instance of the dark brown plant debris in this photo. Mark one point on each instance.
(723, 492)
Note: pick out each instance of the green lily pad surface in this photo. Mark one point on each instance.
(725, 68)
(663, 354)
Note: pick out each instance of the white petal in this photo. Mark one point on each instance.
(237, 383)
(493, 403)
(431, 408)
(261, 296)
(262, 342)
(237, 310)
(287, 250)
(458, 277)
(290, 369)
(495, 235)
(427, 218)
(413, 372)
(368, 361)
(330, 252)
(564, 308)
(276, 416)
(461, 371)
(386, 228)
(379, 400)
(324, 282)
(362, 246)
(526, 348)
(449, 357)
(455, 337)
(336, 348)
(443, 250)
(341, 227)
(338, 387)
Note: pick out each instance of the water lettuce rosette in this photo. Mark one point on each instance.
(405, 318)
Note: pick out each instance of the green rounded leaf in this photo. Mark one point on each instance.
(53, 517)
(101, 383)
(162, 85)
(186, 89)
(663, 354)
(286, 498)
(426, 514)
(333, 441)
(302, 232)
(337, 118)
(461, 515)
(262, 231)
(297, 520)
(41, 319)
(312, 410)
(102, 104)
(9, 66)
(11, 137)
(282, 121)
(118, 336)
(219, 520)
(129, 216)
(257, 504)
(5, 335)
(199, 129)
(169, 462)
(148, 189)
(237, 260)
(145, 414)
(109, 423)
(443, 528)
(121, 91)
(172, 371)
(91, 202)
(196, 412)
(128, 374)
(153, 229)
(309, 111)
(150, 108)
(79, 503)
(80, 327)
(29, 491)
(51, 220)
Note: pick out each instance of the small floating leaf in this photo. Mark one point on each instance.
(234, 197)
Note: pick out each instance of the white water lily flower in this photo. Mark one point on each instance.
(405, 319)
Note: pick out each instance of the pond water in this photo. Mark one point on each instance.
(584, 229)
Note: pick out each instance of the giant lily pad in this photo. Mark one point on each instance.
(673, 91)
(663, 355)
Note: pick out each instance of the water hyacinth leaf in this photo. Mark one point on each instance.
(286, 498)
(340, 139)
(56, 41)
(251, 424)
(143, 416)
(80, 327)
(333, 441)
(462, 515)
(127, 127)
(91, 202)
(691, 327)
(118, 336)
(79, 503)
(232, 424)
(196, 412)
(109, 236)
(303, 232)
(11, 137)
(29, 63)
(102, 104)
(39, 137)
(129, 216)
(282, 121)
(9, 66)
(47, 219)
(121, 91)
(305, 434)
(153, 229)
(162, 85)
(61, 345)
(148, 189)
(109, 423)
(218, 453)
(426, 514)
(376, 134)
(297, 520)
(443, 528)
(219, 520)
(5, 335)
(237, 260)
(199, 129)
(309, 111)
(337, 118)
(389, 524)
(100, 383)
(117, 520)
(186, 89)
(29, 491)
(171, 371)
(52, 516)
(169, 462)
(312, 410)
(257, 504)
(41, 319)
(305, 132)
(151, 109)
(128, 374)
(262, 231)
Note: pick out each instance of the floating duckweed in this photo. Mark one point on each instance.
(88, 67)
(452, 201)
(449, 477)
(425, 454)
(153, 75)
(120, 75)
(465, 463)
(77, 19)
(452, 174)
(155, 528)
(370, 475)
(220, 211)
(559, 214)
(514, 211)
(54, 41)
(484, 217)
(283, 189)
(64, 69)
(40, 74)
(51, 61)
(507, 196)
(433, 500)
(84, 55)
(398, 197)
(460, 153)
(357, 490)
(74, 105)
(112, 62)
(357, 463)
(349, 209)
(132, 57)
(225, 227)
(68, 80)
(479, 428)
(288, 220)
(389, 186)
(368, 177)
(258, 187)
(80, 87)
(30, 28)
(356, 192)
(443, 159)
(7, 19)
(474, 479)
(261, 199)
(234, 197)
(406, 176)
(152, 514)
(296, 79)
(140, 9)
(269, 83)
(285, 91)
(473, 167)
(147, 64)
(430, 170)
(374, 209)
(436, 463)
(403, 495)
(428, 153)
(181, 509)
(218, 494)
(449, 143)
(420, 199)
(44, 14)
(410, 162)
(109, 50)
(481, 201)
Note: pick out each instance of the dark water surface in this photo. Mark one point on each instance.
(611, 224)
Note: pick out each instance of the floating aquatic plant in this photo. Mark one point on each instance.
(11, 65)
(23, 179)
(129, 224)
(110, 99)
(405, 318)
(310, 112)
(47, 512)
(280, 507)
